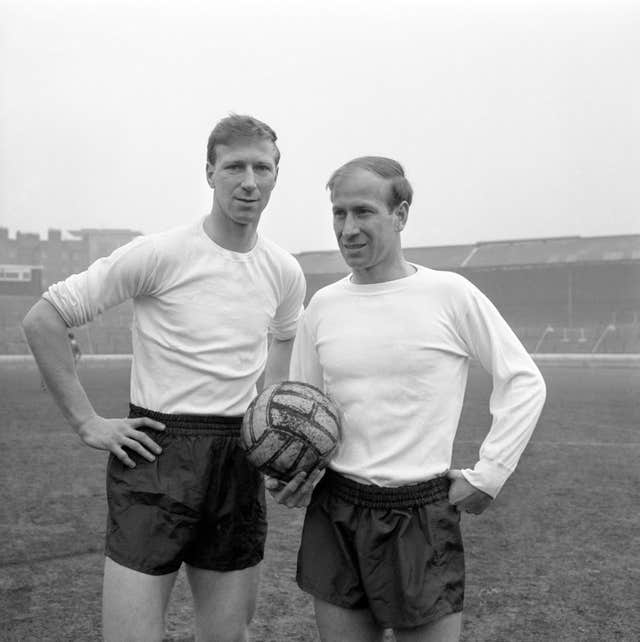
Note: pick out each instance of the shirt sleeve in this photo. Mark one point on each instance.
(124, 274)
(518, 393)
(305, 365)
(284, 323)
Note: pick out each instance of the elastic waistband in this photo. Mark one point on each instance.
(372, 496)
(191, 423)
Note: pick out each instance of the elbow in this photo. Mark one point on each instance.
(540, 389)
(42, 318)
(30, 323)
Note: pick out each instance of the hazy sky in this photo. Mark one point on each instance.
(512, 119)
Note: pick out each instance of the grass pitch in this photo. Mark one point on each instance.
(556, 558)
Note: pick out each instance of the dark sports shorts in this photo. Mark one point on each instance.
(199, 502)
(396, 551)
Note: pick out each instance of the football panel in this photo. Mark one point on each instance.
(271, 444)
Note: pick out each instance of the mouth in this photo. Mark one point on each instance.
(353, 246)
(249, 201)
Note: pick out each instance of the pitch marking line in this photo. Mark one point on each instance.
(595, 444)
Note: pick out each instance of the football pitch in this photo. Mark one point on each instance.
(555, 558)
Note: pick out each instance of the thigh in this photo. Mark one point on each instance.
(154, 507)
(336, 624)
(412, 564)
(334, 575)
(224, 602)
(232, 531)
(134, 603)
(445, 629)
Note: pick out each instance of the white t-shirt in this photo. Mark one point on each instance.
(201, 315)
(394, 356)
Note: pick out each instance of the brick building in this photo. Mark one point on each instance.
(55, 256)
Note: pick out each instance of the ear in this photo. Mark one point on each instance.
(401, 215)
(210, 171)
(275, 176)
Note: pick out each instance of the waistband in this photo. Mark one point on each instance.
(191, 423)
(372, 496)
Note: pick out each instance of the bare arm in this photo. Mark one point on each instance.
(46, 333)
(277, 368)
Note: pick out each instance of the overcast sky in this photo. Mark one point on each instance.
(512, 119)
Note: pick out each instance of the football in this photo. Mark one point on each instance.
(289, 427)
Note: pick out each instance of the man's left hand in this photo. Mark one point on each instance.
(465, 496)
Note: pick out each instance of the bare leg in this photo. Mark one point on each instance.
(133, 604)
(224, 603)
(445, 629)
(336, 624)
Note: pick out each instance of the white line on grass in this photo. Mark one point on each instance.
(595, 444)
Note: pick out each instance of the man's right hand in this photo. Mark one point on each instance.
(115, 435)
(297, 492)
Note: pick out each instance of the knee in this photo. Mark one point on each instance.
(224, 627)
(223, 632)
(143, 632)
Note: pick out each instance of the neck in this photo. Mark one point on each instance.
(230, 235)
(383, 272)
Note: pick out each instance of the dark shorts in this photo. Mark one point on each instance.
(396, 551)
(199, 502)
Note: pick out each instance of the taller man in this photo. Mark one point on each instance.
(391, 345)
(205, 297)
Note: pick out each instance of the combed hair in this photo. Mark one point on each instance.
(236, 126)
(401, 189)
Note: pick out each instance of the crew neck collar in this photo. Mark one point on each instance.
(230, 254)
(383, 286)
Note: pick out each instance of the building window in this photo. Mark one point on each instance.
(14, 274)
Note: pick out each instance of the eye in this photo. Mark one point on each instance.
(339, 213)
(263, 169)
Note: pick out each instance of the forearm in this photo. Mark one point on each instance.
(46, 335)
(277, 368)
(515, 408)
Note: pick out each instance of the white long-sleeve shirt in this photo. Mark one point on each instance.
(201, 315)
(394, 356)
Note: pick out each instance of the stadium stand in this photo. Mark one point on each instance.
(567, 294)
(561, 295)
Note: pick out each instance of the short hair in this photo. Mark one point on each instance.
(236, 126)
(401, 189)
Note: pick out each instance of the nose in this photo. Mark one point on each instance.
(350, 226)
(249, 180)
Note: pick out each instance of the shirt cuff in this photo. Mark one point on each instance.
(487, 476)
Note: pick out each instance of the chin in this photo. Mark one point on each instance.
(353, 262)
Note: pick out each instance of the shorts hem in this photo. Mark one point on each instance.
(330, 599)
(386, 624)
(421, 621)
(167, 570)
(228, 567)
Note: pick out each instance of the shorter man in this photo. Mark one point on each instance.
(391, 345)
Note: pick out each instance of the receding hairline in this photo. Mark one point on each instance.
(387, 169)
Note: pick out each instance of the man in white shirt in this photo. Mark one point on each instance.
(391, 344)
(205, 297)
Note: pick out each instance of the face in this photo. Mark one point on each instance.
(242, 178)
(367, 229)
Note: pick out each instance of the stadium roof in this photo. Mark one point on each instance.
(496, 254)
